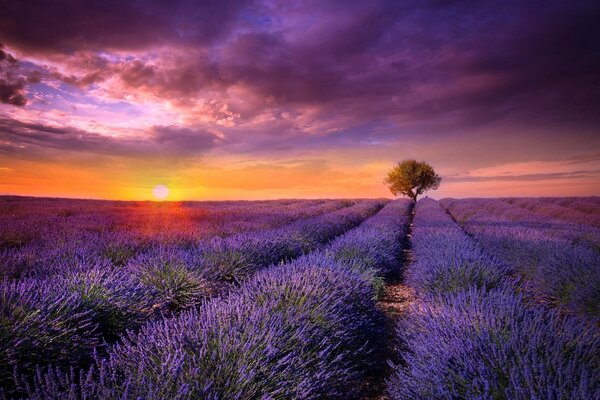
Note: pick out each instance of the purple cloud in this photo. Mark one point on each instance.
(12, 85)
(39, 140)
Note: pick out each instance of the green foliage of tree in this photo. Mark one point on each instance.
(412, 178)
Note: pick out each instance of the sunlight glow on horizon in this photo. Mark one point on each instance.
(160, 192)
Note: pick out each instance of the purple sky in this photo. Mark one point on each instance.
(255, 99)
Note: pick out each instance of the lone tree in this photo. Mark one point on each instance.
(412, 178)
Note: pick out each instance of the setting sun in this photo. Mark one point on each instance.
(160, 192)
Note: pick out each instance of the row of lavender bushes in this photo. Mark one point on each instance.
(561, 264)
(509, 216)
(308, 329)
(587, 205)
(471, 334)
(39, 237)
(61, 319)
(589, 216)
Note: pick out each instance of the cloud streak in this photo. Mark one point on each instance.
(34, 139)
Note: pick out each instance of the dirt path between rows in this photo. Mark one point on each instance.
(393, 304)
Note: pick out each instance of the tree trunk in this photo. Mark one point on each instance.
(413, 196)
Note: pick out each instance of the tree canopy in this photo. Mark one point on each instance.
(412, 178)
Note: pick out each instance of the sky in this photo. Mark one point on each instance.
(247, 99)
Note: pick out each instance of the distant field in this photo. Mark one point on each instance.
(42, 234)
(300, 299)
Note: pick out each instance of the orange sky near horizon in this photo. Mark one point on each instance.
(270, 181)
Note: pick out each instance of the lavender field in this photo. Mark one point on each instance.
(300, 299)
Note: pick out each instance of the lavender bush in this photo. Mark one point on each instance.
(476, 337)
(39, 237)
(290, 332)
(508, 216)
(539, 206)
(566, 272)
(491, 345)
(39, 326)
(377, 243)
(167, 280)
(587, 205)
(169, 277)
(269, 310)
(445, 258)
(305, 330)
(235, 258)
(113, 300)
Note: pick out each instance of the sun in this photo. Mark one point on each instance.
(160, 192)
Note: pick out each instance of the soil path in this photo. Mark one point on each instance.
(393, 304)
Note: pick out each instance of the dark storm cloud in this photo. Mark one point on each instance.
(67, 26)
(5, 57)
(183, 140)
(11, 92)
(12, 85)
(544, 65)
(524, 63)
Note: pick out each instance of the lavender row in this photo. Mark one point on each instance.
(587, 205)
(445, 259)
(377, 243)
(182, 278)
(40, 236)
(493, 345)
(471, 335)
(305, 330)
(98, 304)
(507, 215)
(542, 207)
(567, 273)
